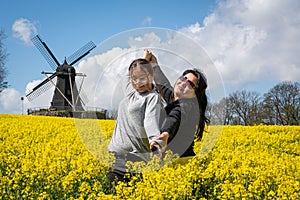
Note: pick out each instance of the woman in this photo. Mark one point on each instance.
(138, 119)
(186, 106)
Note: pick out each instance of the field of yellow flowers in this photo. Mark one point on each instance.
(65, 158)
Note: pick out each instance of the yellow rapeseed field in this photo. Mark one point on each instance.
(64, 158)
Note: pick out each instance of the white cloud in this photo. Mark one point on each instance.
(23, 29)
(103, 72)
(252, 41)
(10, 99)
(147, 21)
(147, 40)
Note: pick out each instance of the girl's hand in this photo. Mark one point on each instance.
(150, 58)
(147, 54)
(163, 136)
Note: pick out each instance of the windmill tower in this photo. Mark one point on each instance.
(66, 97)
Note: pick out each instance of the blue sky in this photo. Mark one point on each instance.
(67, 25)
(253, 44)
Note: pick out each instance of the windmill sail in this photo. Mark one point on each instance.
(45, 51)
(45, 85)
(79, 54)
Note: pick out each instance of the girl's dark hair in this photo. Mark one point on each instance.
(143, 63)
(202, 100)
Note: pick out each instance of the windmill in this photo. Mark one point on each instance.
(66, 97)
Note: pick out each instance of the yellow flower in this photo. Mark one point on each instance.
(64, 158)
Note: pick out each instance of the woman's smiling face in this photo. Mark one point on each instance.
(185, 86)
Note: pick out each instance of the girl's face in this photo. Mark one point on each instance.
(185, 86)
(141, 80)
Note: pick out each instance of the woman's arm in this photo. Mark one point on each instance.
(163, 85)
(170, 125)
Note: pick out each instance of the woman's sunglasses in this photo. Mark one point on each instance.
(189, 83)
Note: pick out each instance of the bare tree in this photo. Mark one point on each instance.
(3, 56)
(282, 103)
(220, 113)
(281, 106)
(245, 107)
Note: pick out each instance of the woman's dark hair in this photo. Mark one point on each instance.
(143, 63)
(202, 100)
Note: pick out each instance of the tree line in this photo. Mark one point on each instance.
(3, 57)
(279, 106)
